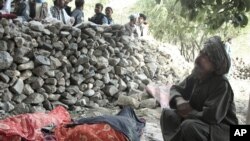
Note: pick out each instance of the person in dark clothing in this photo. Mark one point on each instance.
(21, 9)
(109, 12)
(78, 13)
(99, 17)
(143, 25)
(67, 8)
(203, 104)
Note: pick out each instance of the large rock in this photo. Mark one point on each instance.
(127, 101)
(27, 66)
(18, 86)
(102, 63)
(35, 98)
(42, 60)
(35, 25)
(111, 90)
(5, 60)
(148, 103)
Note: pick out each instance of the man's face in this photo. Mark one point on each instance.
(60, 3)
(141, 20)
(108, 12)
(98, 9)
(203, 66)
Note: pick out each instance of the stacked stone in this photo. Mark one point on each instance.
(42, 66)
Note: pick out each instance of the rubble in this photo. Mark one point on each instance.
(89, 66)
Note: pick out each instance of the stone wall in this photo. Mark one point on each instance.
(42, 66)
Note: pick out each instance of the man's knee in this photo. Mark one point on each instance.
(194, 129)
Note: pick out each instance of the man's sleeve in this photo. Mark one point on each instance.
(184, 89)
(105, 20)
(216, 106)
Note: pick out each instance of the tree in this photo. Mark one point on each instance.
(169, 21)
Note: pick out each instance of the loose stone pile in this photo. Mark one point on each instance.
(240, 70)
(42, 66)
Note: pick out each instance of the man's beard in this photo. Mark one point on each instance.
(199, 73)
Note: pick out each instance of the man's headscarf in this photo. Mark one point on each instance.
(215, 49)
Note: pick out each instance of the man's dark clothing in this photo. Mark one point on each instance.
(213, 106)
(78, 15)
(67, 9)
(98, 18)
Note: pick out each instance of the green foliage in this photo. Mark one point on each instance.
(168, 22)
(217, 12)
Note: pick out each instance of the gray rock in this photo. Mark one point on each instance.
(127, 101)
(42, 60)
(19, 98)
(58, 45)
(114, 61)
(27, 66)
(55, 63)
(26, 74)
(91, 32)
(135, 62)
(35, 109)
(123, 63)
(152, 68)
(5, 60)
(7, 106)
(122, 85)
(82, 60)
(35, 98)
(27, 89)
(111, 90)
(106, 78)
(58, 103)
(51, 81)
(21, 109)
(132, 85)
(54, 97)
(37, 83)
(141, 77)
(70, 101)
(47, 46)
(97, 52)
(4, 78)
(148, 103)
(18, 86)
(120, 70)
(89, 93)
(3, 45)
(50, 89)
(77, 79)
(37, 26)
(21, 59)
(60, 89)
(102, 63)
(41, 70)
(73, 47)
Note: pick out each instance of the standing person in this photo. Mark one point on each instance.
(203, 104)
(6, 6)
(99, 17)
(78, 12)
(109, 12)
(67, 7)
(143, 25)
(22, 10)
(131, 29)
(57, 12)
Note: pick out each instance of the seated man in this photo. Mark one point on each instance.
(203, 104)
(131, 29)
(109, 12)
(99, 17)
(78, 13)
(58, 12)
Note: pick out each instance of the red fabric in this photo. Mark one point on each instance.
(89, 132)
(28, 126)
(160, 93)
(8, 16)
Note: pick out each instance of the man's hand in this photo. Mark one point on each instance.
(183, 107)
